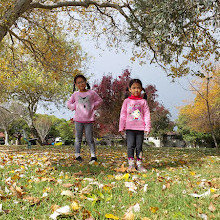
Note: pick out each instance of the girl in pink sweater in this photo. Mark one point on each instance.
(135, 120)
(84, 102)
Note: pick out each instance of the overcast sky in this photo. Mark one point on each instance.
(171, 94)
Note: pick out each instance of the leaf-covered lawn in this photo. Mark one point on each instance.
(47, 183)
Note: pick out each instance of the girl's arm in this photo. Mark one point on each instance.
(71, 104)
(97, 100)
(123, 116)
(147, 120)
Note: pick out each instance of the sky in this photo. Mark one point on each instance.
(170, 94)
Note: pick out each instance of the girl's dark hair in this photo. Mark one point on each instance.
(132, 81)
(80, 76)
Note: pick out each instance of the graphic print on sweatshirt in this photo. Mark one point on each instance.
(84, 102)
(134, 112)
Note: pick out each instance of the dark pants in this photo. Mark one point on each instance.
(134, 141)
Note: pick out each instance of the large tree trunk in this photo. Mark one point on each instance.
(12, 15)
(6, 138)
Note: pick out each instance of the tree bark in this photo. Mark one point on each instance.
(12, 15)
(22, 6)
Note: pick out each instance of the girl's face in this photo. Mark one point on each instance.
(135, 89)
(81, 84)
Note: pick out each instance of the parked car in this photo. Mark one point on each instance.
(2, 141)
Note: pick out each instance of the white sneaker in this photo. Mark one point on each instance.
(141, 169)
(131, 165)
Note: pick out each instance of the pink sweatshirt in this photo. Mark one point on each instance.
(135, 115)
(84, 104)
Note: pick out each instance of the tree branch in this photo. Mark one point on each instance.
(85, 4)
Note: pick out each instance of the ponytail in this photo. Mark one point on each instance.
(88, 86)
(74, 87)
(126, 93)
(145, 94)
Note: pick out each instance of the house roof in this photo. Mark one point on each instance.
(2, 135)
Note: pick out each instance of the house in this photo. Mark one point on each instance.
(2, 138)
(171, 139)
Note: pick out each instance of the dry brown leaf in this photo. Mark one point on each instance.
(32, 200)
(212, 207)
(68, 185)
(215, 196)
(129, 216)
(122, 169)
(67, 193)
(54, 207)
(80, 173)
(17, 191)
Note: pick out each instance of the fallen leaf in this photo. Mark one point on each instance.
(67, 193)
(68, 185)
(212, 207)
(111, 216)
(60, 211)
(33, 200)
(129, 216)
(131, 186)
(88, 189)
(154, 209)
(200, 195)
(74, 205)
(203, 216)
(121, 169)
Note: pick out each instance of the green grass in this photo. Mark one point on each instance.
(173, 174)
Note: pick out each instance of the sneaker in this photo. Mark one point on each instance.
(79, 159)
(93, 160)
(141, 169)
(131, 169)
(131, 165)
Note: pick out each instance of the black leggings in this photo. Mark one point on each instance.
(134, 140)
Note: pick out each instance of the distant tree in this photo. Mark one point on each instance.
(9, 112)
(42, 124)
(16, 129)
(189, 135)
(203, 114)
(61, 128)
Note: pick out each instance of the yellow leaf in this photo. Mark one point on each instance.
(126, 176)
(111, 216)
(212, 190)
(192, 173)
(153, 209)
(74, 205)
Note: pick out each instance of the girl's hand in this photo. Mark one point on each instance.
(122, 132)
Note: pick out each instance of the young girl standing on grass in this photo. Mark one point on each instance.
(84, 102)
(135, 120)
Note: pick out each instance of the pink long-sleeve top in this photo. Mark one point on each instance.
(84, 104)
(135, 115)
